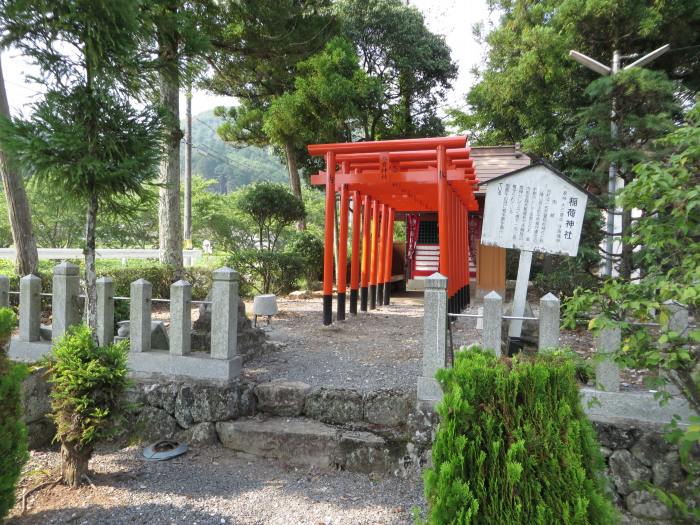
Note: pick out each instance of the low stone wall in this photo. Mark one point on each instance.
(636, 453)
(383, 431)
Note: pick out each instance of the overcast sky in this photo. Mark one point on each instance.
(451, 18)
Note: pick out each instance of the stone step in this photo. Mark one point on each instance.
(306, 442)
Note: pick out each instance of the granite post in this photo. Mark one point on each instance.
(64, 304)
(224, 314)
(678, 323)
(434, 337)
(140, 316)
(549, 322)
(180, 318)
(29, 308)
(607, 371)
(493, 317)
(4, 291)
(105, 311)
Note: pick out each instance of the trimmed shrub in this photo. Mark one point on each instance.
(310, 248)
(87, 399)
(514, 446)
(267, 272)
(13, 433)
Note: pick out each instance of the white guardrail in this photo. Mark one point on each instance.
(190, 257)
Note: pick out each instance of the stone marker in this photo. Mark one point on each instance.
(434, 337)
(105, 311)
(549, 322)
(29, 308)
(64, 305)
(607, 371)
(180, 318)
(224, 320)
(140, 316)
(493, 318)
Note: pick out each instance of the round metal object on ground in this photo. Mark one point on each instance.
(164, 449)
(265, 305)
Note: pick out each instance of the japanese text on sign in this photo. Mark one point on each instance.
(535, 210)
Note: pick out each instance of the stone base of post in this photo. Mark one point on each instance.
(372, 297)
(364, 296)
(341, 306)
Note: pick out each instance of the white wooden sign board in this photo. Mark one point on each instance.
(534, 209)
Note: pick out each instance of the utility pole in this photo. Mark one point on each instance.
(602, 69)
(188, 168)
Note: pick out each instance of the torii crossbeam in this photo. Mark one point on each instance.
(382, 178)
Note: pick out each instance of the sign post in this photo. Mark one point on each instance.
(533, 209)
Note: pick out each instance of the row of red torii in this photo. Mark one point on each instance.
(383, 178)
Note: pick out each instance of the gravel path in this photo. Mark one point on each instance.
(377, 349)
(209, 486)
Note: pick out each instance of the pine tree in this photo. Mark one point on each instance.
(85, 136)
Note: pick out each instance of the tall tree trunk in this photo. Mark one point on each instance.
(74, 464)
(294, 180)
(17, 204)
(90, 271)
(169, 226)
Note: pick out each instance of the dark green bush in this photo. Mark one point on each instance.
(87, 399)
(310, 248)
(514, 446)
(13, 433)
(267, 272)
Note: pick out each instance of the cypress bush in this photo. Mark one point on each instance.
(87, 402)
(13, 433)
(514, 446)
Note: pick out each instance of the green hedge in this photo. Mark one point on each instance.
(13, 433)
(514, 446)
(159, 275)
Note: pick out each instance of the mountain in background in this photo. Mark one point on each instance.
(229, 166)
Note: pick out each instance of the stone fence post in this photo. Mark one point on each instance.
(224, 314)
(180, 318)
(607, 371)
(64, 300)
(29, 308)
(140, 316)
(493, 318)
(677, 322)
(105, 311)
(549, 322)
(434, 337)
(4, 291)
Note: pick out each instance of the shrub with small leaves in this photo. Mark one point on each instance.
(13, 433)
(87, 396)
(514, 446)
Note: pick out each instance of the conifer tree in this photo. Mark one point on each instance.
(85, 136)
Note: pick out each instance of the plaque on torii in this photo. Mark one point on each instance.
(533, 209)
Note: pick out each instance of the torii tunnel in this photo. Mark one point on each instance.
(383, 178)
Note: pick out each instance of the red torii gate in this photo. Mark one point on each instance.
(383, 177)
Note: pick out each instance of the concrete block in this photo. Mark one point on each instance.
(493, 318)
(105, 311)
(29, 308)
(140, 316)
(4, 291)
(64, 305)
(434, 336)
(28, 351)
(607, 371)
(549, 322)
(180, 318)
(224, 314)
(159, 363)
(282, 398)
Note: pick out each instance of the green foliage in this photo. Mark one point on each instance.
(514, 446)
(268, 272)
(13, 433)
(330, 91)
(271, 208)
(668, 196)
(310, 248)
(88, 386)
(412, 64)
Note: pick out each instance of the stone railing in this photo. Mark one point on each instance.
(222, 363)
(603, 400)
